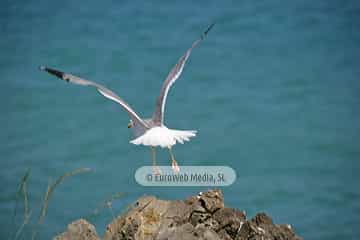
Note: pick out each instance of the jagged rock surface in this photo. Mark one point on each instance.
(201, 217)
(79, 230)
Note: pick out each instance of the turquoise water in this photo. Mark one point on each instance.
(274, 92)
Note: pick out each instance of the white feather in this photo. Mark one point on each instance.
(163, 137)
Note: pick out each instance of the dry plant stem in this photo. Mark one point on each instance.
(22, 190)
(49, 191)
(107, 201)
(109, 205)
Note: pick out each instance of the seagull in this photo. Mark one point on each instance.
(152, 131)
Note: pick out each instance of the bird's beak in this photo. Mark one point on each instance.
(130, 125)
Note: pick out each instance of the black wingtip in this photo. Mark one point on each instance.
(209, 28)
(57, 73)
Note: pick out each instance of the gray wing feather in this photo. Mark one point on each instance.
(158, 116)
(102, 90)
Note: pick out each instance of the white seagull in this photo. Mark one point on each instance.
(150, 132)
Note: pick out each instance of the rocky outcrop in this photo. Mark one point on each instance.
(200, 217)
(79, 230)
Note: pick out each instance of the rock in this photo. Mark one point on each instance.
(202, 217)
(262, 219)
(199, 217)
(211, 200)
(261, 227)
(230, 220)
(79, 230)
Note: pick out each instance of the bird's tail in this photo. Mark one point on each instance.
(182, 136)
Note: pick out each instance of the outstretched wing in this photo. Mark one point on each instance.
(158, 116)
(103, 90)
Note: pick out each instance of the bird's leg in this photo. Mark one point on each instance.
(156, 169)
(174, 165)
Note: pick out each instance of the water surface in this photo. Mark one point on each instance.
(273, 91)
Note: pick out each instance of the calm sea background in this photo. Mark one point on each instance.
(274, 92)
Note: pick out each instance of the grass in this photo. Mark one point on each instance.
(22, 192)
(50, 189)
(108, 203)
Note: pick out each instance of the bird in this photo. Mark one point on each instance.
(151, 132)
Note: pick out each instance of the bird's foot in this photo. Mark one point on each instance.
(156, 170)
(175, 167)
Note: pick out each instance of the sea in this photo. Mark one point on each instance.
(273, 91)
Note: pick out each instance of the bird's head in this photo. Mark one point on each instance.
(130, 124)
